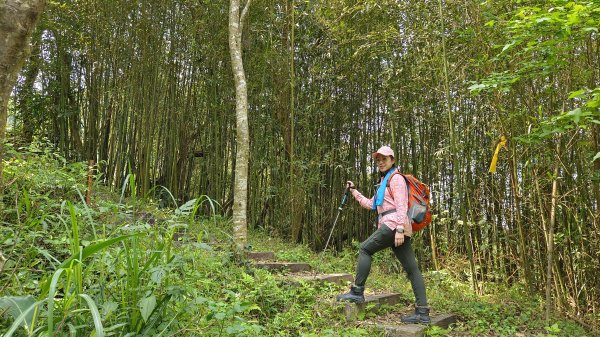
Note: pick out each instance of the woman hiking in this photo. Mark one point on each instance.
(394, 231)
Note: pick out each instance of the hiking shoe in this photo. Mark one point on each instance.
(421, 316)
(355, 295)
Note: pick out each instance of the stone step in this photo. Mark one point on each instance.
(261, 256)
(333, 278)
(416, 330)
(322, 278)
(444, 320)
(352, 310)
(292, 267)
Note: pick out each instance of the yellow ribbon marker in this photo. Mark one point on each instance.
(501, 144)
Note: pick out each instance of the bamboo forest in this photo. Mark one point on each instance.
(198, 167)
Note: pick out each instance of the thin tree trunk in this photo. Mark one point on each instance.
(297, 197)
(240, 194)
(550, 237)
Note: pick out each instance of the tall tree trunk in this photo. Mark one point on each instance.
(596, 148)
(17, 21)
(550, 235)
(297, 197)
(240, 194)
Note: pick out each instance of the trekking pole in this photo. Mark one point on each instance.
(337, 216)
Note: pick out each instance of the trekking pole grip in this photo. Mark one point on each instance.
(344, 198)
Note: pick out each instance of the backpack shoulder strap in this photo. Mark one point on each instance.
(389, 188)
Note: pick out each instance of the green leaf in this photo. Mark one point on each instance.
(22, 317)
(235, 329)
(597, 156)
(203, 246)
(186, 208)
(17, 305)
(508, 45)
(147, 305)
(490, 23)
(477, 87)
(575, 114)
(108, 308)
(553, 329)
(577, 93)
(573, 19)
(543, 19)
(95, 315)
(52, 286)
(157, 274)
(94, 248)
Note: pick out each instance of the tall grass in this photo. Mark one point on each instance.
(24, 312)
(129, 180)
(88, 213)
(166, 190)
(68, 278)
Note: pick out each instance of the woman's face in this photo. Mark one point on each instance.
(384, 163)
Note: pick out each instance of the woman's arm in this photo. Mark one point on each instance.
(362, 200)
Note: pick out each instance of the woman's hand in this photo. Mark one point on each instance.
(398, 239)
(350, 185)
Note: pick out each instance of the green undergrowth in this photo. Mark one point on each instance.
(501, 311)
(122, 266)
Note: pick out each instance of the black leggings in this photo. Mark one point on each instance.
(384, 238)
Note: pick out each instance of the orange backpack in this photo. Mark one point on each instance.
(419, 207)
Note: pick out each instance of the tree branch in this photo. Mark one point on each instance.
(244, 15)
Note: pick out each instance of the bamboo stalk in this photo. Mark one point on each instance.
(88, 193)
(550, 237)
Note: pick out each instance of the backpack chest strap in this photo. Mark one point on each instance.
(384, 213)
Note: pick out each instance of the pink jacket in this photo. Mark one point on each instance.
(398, 201)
